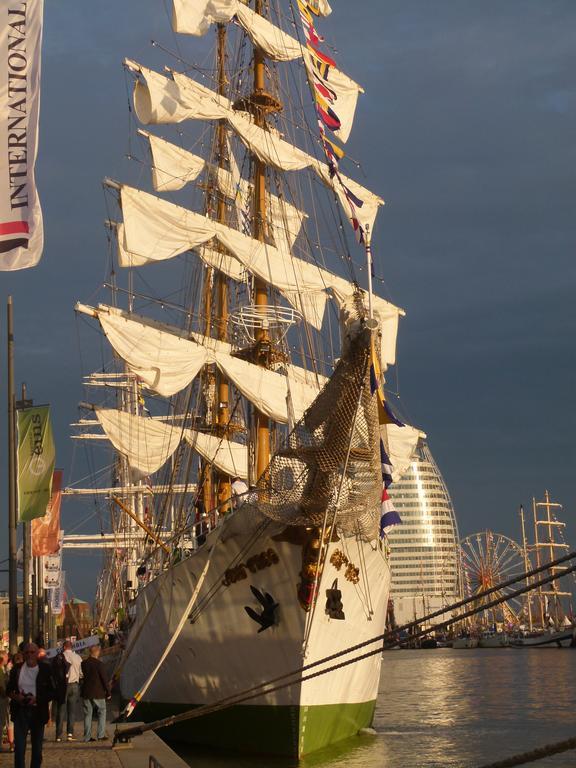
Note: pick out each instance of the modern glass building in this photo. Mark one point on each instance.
(424, 549)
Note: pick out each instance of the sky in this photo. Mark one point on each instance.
(467, 129)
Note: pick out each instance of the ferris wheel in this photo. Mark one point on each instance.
(488, 559)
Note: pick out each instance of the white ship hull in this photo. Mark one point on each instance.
(465, 642)
(497, 640)
(220, 651)
(563, 639)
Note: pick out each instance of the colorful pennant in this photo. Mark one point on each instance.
(388, 514)
(326, 101)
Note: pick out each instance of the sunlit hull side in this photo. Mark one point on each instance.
(220, 651)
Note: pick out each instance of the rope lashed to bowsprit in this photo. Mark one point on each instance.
(540, 753)
(330, 464)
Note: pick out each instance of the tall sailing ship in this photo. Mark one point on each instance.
(253, 443)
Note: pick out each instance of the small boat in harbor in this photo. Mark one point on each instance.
(467, 641)
(552, 639)
(494, 640)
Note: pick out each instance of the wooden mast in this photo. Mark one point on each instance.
(216, 280)
(526, 568)
(262, 423)
(222, 407)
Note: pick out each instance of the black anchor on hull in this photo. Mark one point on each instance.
(267, 618)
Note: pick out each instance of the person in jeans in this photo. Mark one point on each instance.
(30, 689)
(95, 691)
(73, 689)
(67, 706)
(60, 668)
(4, 701)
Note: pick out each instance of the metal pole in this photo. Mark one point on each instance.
(41, 598)
(34, 600)
(26, 546)
(12, 546)
(26, 551)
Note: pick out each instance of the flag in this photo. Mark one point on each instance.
(52, 568)
(56, 596)
(46, 530)
(388, 514)
(21, 230)
(320, 7)
(36, 456)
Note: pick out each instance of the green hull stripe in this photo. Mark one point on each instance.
(289, 730)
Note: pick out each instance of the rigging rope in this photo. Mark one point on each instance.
(535, 754)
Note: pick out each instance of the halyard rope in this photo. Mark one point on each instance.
(264, 689)
(535, 754)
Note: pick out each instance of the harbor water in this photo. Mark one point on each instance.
(447, 708)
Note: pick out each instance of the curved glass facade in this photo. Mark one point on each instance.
(424, 548)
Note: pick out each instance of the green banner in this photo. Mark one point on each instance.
(36, 458)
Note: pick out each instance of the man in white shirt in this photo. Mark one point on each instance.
(30, 689)
(239, 490)
(73, 688)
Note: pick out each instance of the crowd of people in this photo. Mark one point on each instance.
(36, 690)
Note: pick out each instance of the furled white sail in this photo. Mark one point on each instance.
(266, 389)
(276, 44)
(156, 229)
(194, 17)
(402, 443)
(231, 267)
(285, 220)
(146, 443)
(165, 361)
(174, 167)
(158, 100)
(229, 457)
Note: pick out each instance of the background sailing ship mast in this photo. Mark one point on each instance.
(548, 547)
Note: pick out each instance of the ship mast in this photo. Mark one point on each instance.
(261, 102)
(526, 568)
(223, 411)
(220, 411)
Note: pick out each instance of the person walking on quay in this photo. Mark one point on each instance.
(59, 667)
(30, 689)
(95, 691)
(73, 688)
(4, 701)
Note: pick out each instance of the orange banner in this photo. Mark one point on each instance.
(46, 530)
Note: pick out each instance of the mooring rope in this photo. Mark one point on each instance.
(265, 689)
(535, 754)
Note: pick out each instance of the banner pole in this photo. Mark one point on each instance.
(12, 543)
(34, 600)
(26, 548)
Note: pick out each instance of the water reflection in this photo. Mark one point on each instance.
(451, 709)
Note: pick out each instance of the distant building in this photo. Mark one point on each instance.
(5, 619)
(424, 548)
(77, 621)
